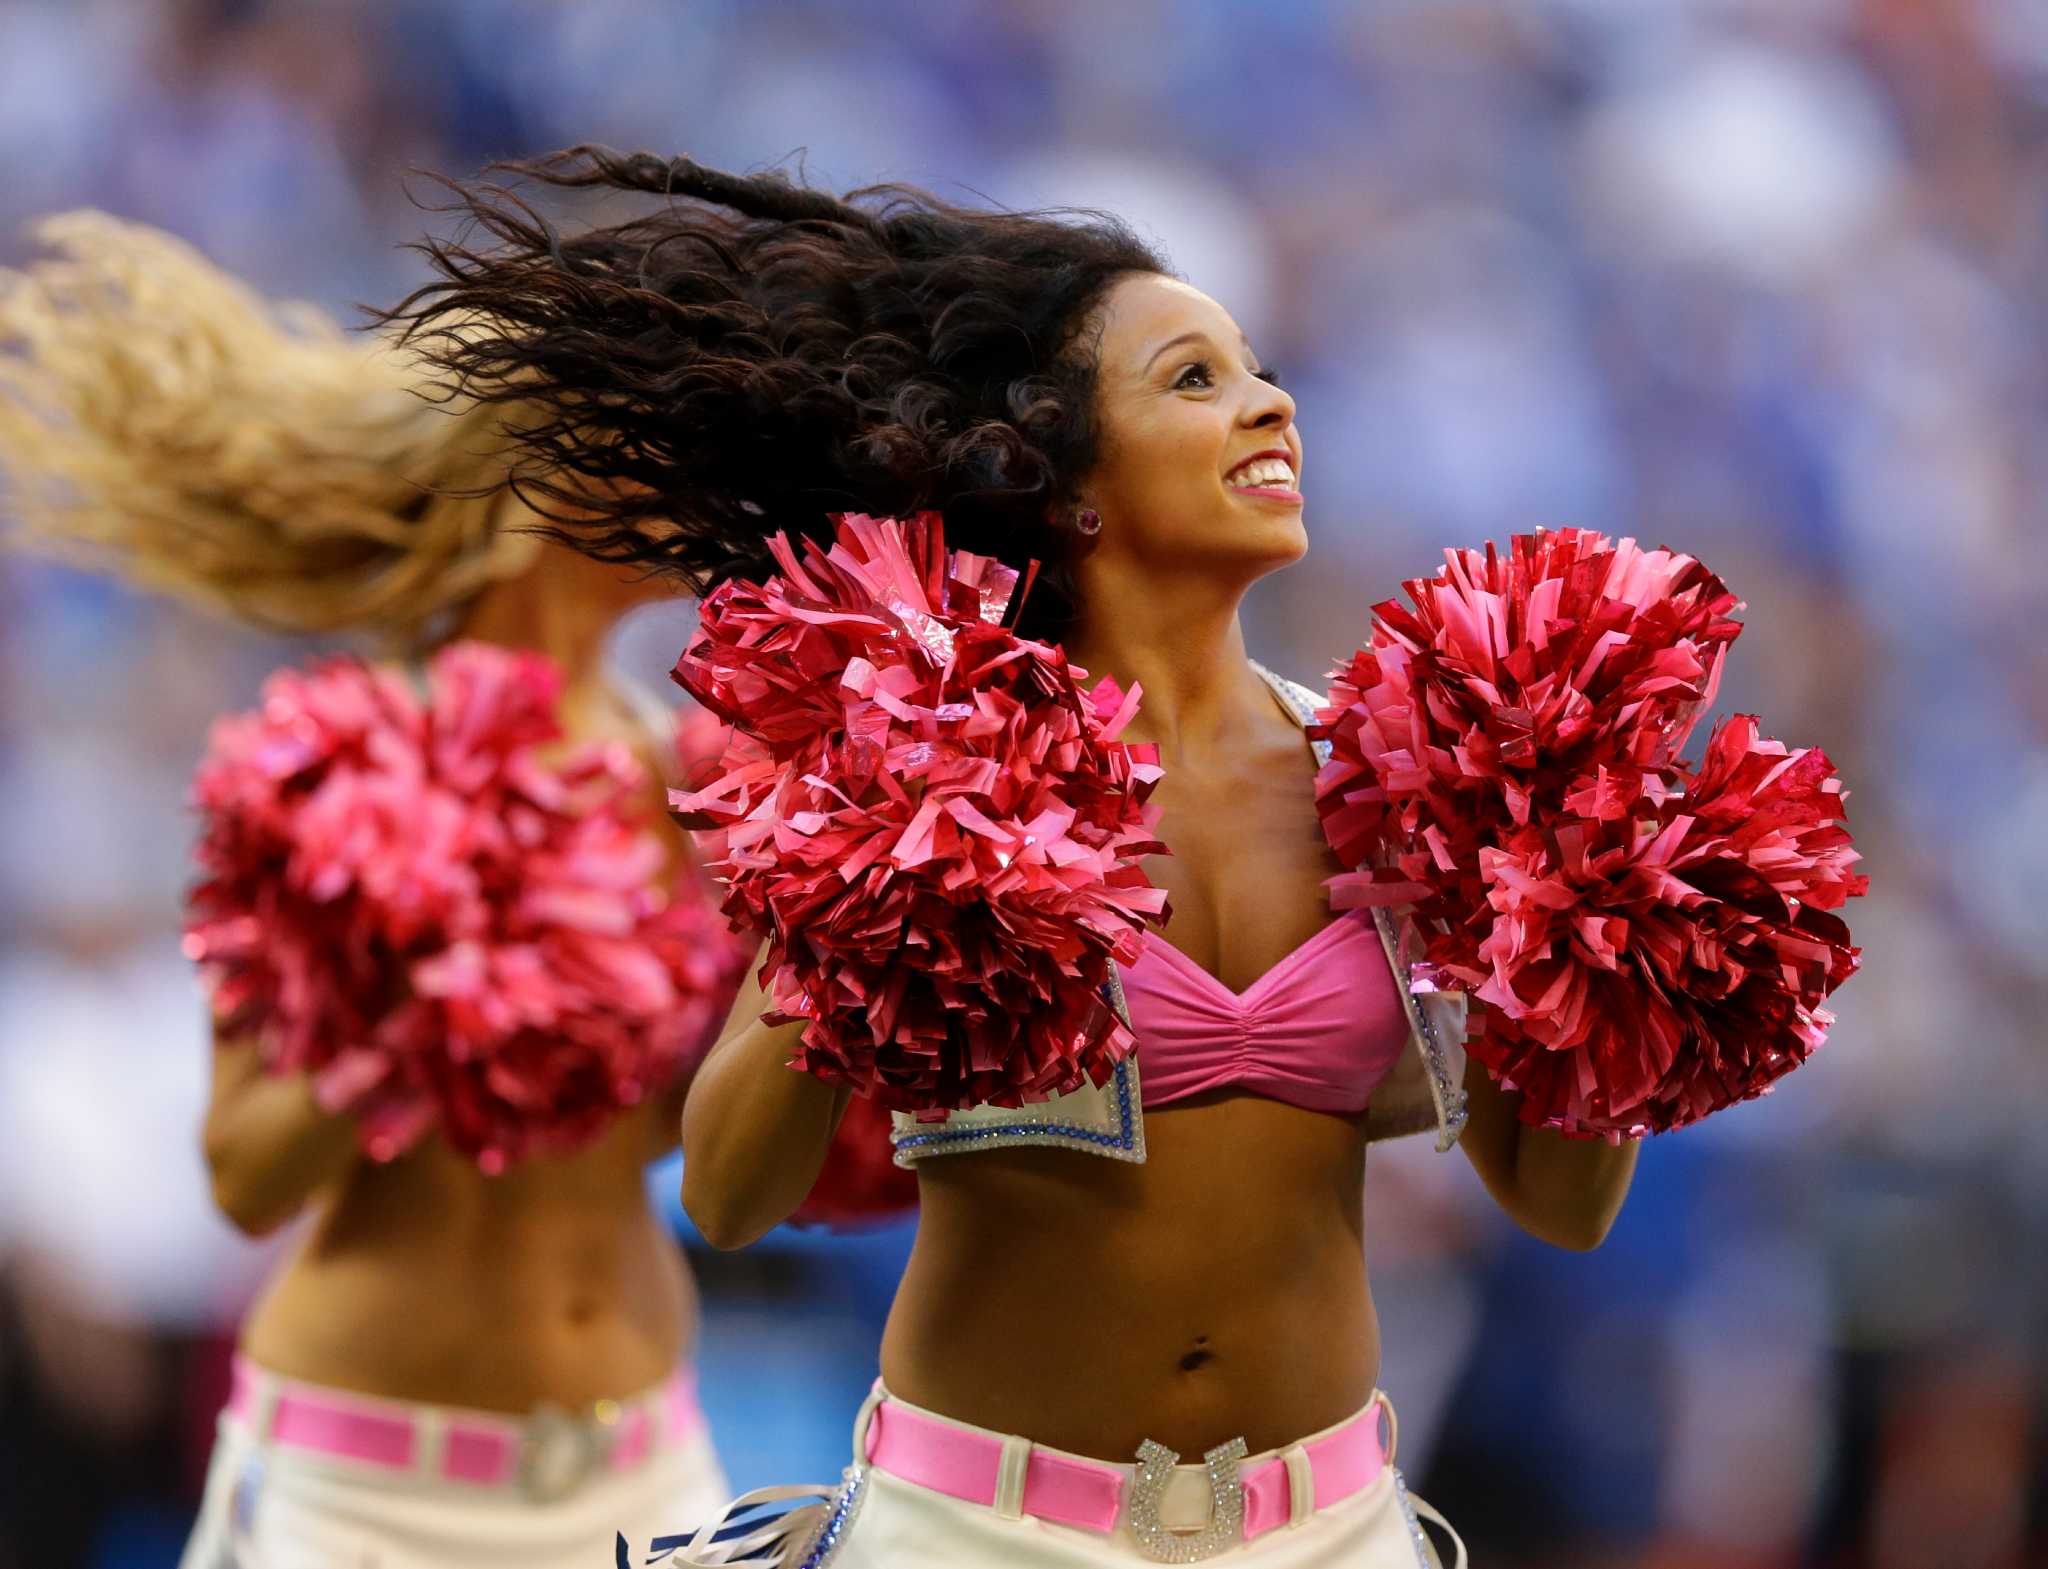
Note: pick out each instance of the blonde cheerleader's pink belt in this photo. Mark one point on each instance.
(546, 1455)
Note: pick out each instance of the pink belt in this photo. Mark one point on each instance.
(547, 1455)
(1016, 1477)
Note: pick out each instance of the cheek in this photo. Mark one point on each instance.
(1173, 456)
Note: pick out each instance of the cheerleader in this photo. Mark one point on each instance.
(1137, 1324)
(451, 1367)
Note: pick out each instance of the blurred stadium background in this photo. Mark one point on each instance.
(1762, 279)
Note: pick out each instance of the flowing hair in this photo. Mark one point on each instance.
(161, 421)
(751, 355)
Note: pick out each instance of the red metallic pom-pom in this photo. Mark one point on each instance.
(1574, 666)
(932, 824)
(1654, 941)
(402, 899)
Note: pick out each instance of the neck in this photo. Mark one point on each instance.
(1199, 687)
(564, 606)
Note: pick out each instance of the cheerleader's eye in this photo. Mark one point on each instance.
(1196, 375)
(1268, 375)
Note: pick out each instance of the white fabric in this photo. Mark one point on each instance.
(900, 1525)
(270, 1507)
(885, 1522)
(1090, 1108)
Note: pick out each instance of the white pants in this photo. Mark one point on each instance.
(272, 1507)
(879, 1521)
(900, 1525)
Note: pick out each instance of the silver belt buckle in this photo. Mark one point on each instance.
(559, 1449)
(1226, 1505)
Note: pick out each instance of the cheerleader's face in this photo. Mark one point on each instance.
(1201, 461)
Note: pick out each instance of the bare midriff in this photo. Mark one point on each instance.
(1216, 1291)
(425, 1280)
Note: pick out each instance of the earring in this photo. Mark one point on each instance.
(1088, 521)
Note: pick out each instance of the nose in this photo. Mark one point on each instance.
(1268, 407)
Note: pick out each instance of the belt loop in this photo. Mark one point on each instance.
(650, 1417)
(264, 1395)
(1392, 1442)
(668, 1413)
(1301, 1484)
(864, 1419)
(429, 1441)
(1010, 1474)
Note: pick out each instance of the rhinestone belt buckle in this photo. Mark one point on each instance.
(559, 1449)
(1226, 1505)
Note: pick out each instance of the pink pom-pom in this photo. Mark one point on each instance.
(1645, 971)
(931, 823)
(402, 899)
(1573, 666)
(1653, 940)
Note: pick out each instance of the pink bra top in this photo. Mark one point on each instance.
(1320, 1030)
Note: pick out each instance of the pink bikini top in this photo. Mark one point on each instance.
(1320, 1030)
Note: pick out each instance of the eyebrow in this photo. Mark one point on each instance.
(1195, 337)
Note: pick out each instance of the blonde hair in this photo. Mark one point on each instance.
(162, 421)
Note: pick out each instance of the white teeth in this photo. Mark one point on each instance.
(1263, 472)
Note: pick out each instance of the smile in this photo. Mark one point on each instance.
(1265, 475)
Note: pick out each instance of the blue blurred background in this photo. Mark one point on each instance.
(1761, 279)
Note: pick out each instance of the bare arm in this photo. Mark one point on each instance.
(1564, 1191)
(755, 1132)
(269, 1145)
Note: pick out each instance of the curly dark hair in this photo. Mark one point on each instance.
(757, 354)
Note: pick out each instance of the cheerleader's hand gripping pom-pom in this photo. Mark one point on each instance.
(1654, 941)
(402, 898)
(933, 825)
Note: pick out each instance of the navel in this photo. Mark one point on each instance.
(581, 1309)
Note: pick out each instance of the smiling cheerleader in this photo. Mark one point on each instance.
(930, 464)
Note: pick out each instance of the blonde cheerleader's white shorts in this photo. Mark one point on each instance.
(306, 1477)
(926, 1492)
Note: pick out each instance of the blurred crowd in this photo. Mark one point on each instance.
(1766, 280)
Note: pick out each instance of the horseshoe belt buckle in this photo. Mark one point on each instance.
(558, 1450)
(1226, 1505)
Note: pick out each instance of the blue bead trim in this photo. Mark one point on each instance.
(1125, 1137)
(826, 1543)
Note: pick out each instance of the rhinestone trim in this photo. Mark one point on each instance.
(1450, 1098)
(1448, 1094)
(1415, 1532)
(1124, 1141)
(824, 1546)
(1226, 1505)
(1301, 702)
